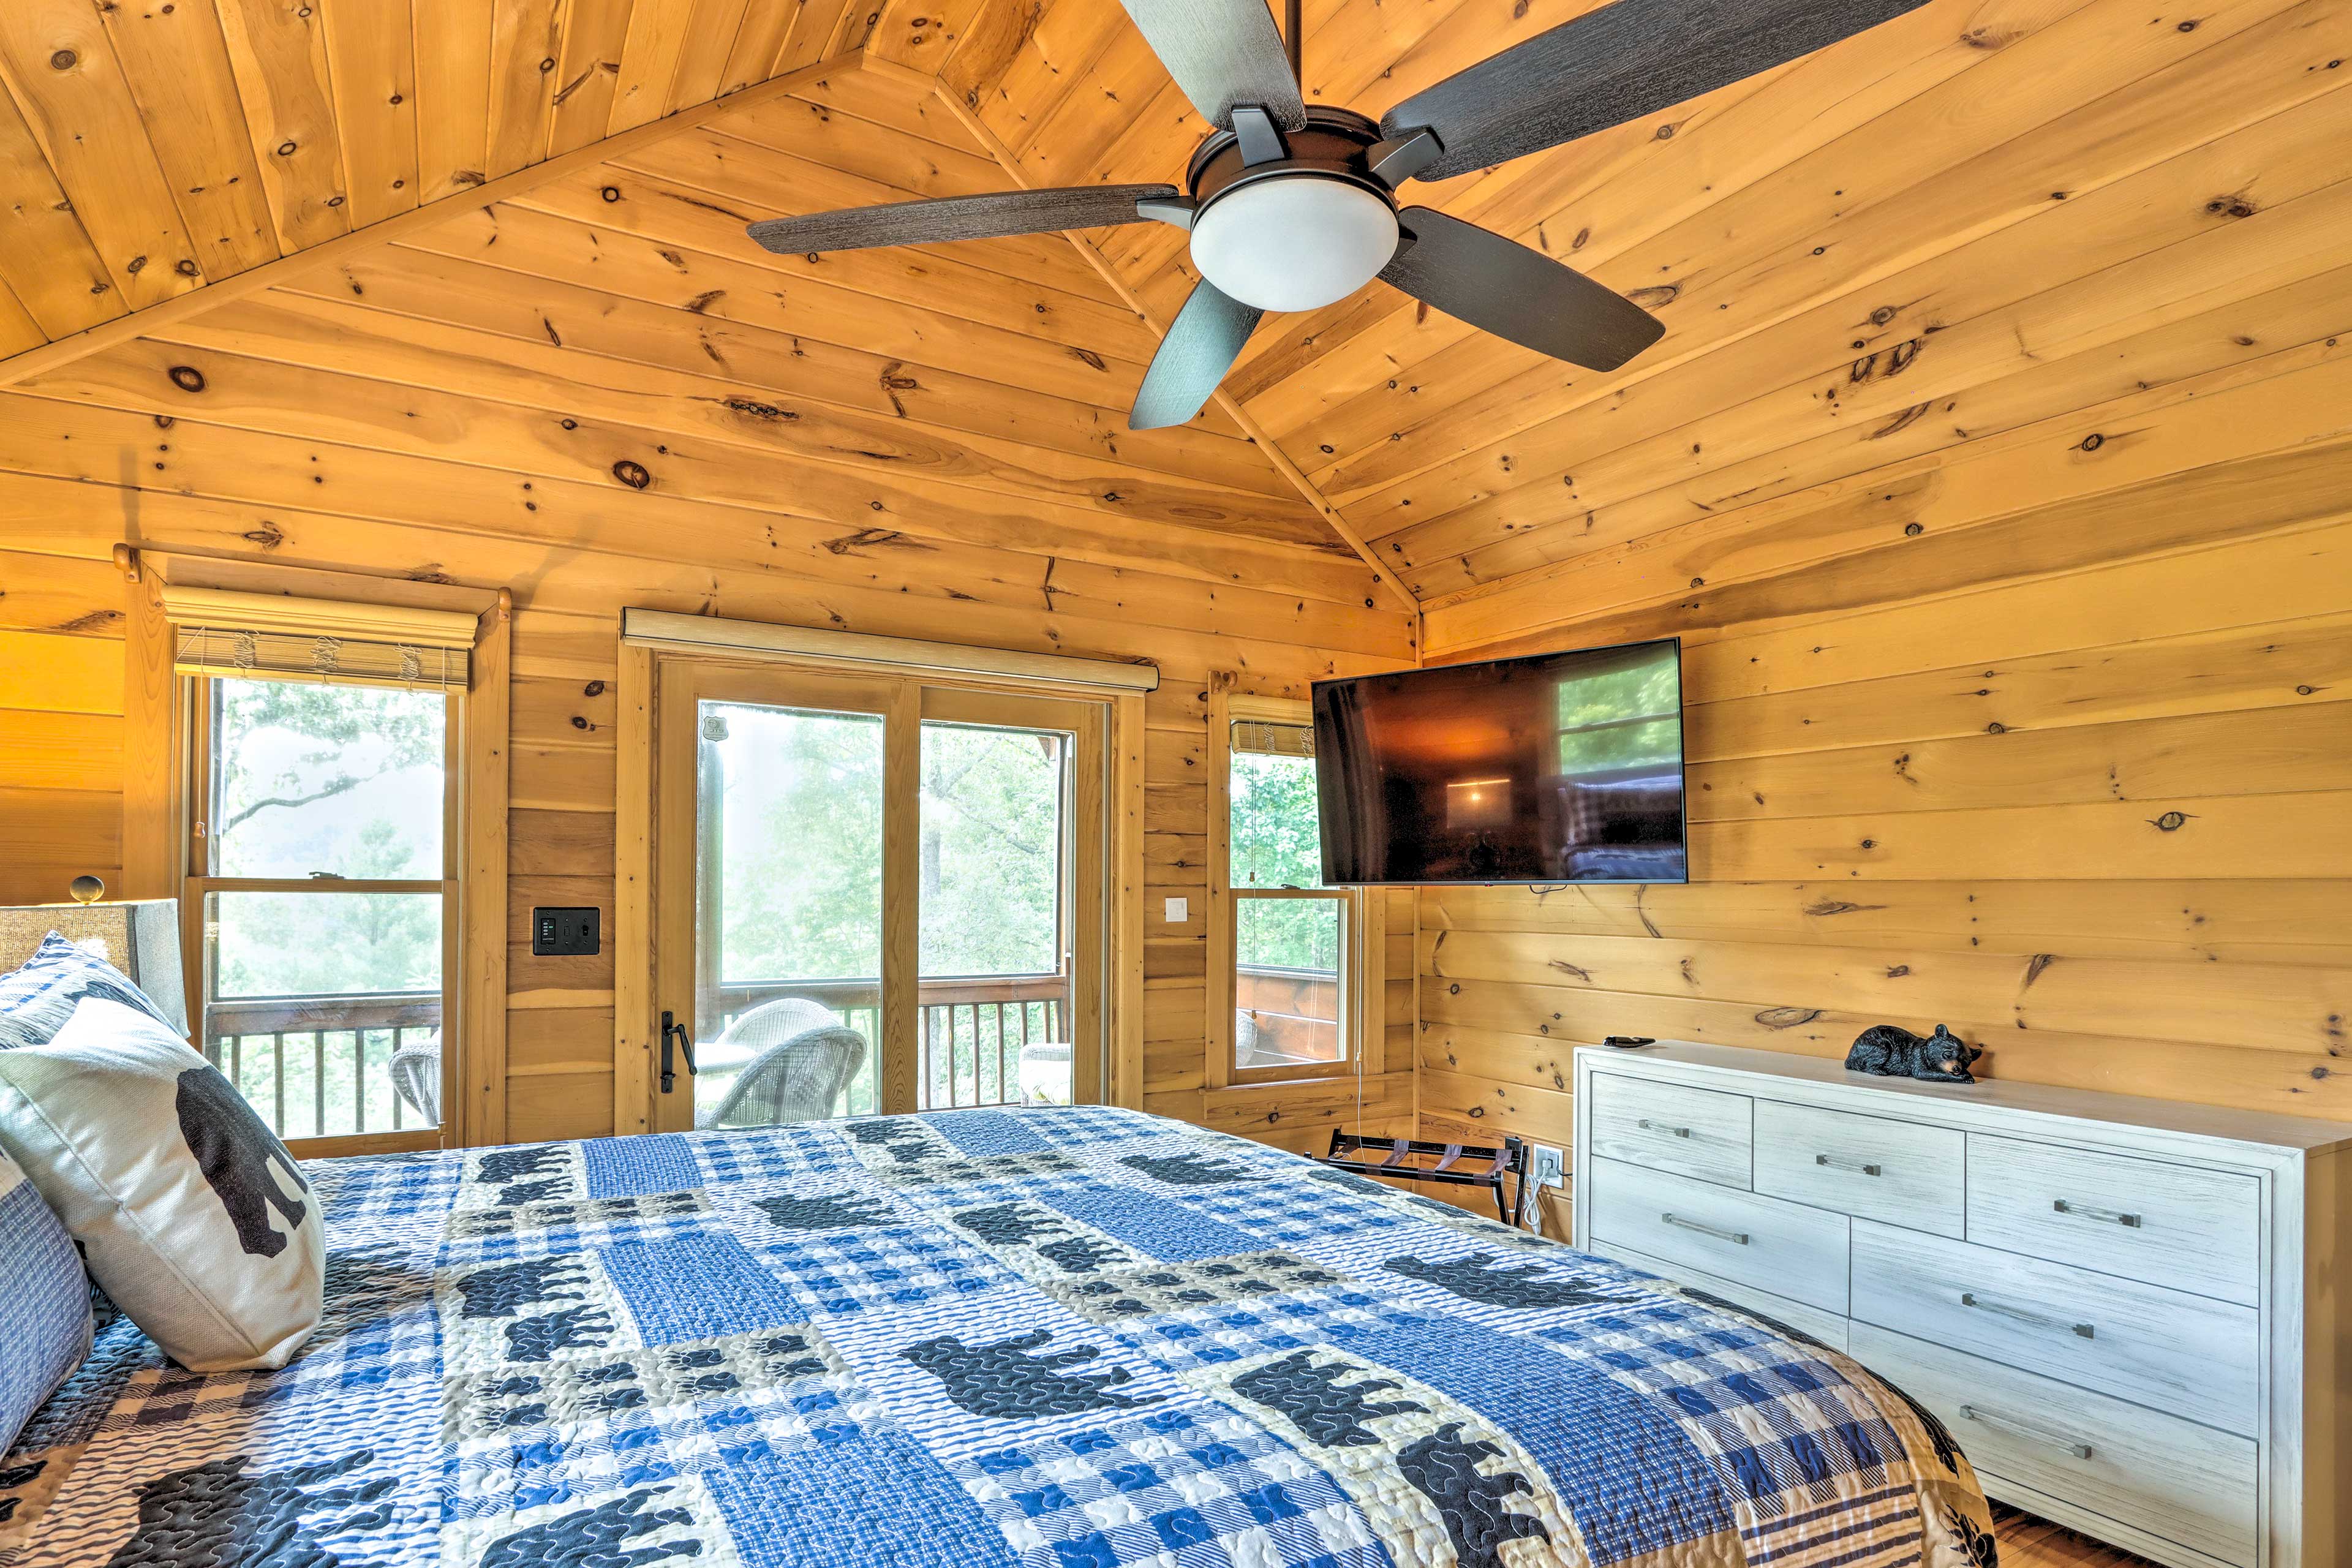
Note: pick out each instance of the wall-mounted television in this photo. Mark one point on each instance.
(1558, 767)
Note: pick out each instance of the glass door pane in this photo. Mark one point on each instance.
(996, 1018)
(787, 893)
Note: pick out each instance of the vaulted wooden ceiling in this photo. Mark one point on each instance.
(1984, 215)
(149, 147)
(1991, 224)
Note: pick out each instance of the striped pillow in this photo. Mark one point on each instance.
(45, 1322)
(36, 1000)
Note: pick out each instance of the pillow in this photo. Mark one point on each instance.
(191, 1214)
(36, 1000)
(45, 1322)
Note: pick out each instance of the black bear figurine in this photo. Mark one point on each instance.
(1890, 1051)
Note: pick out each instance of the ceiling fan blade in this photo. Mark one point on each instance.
(1221, 53)
(1208, 336)
(958, 218)
(1616, 64)
(1500, 285)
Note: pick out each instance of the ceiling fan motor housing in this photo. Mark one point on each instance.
(1291, 220)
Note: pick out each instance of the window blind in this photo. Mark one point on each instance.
(269, 636)
(1273, 739)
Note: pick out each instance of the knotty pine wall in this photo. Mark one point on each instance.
(61, 675)
(2053, 751)
(598, 395)
(61, 663)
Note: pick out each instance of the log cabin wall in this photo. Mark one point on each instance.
(598, 394)
(61, 734)
(1993, 467)
(2069, 776)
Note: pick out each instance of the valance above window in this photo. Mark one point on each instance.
(270, 635)
(1271, 738)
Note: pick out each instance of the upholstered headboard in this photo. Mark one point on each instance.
(141, 937)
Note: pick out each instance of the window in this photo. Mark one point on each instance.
(1286, 944)
(323, 848)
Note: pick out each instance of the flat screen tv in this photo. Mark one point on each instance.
(1561, 767)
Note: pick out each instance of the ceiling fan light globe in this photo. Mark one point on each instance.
(1294, 243)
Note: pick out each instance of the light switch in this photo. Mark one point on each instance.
(566, 932)
(1179, 911)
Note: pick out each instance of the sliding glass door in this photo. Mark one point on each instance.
(873, 894)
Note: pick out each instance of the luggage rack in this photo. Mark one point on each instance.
(1511, 1159)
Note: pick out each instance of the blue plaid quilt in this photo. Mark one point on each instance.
(1059, 1338)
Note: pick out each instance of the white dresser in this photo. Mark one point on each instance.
(2132, 1314)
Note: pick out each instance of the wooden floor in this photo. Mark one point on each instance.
(2027, 1541)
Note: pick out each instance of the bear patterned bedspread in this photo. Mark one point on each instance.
(1063, 1338)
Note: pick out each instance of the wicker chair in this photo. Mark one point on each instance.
(806, 1056)
(416, 1078)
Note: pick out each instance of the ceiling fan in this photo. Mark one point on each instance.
(1292, 208)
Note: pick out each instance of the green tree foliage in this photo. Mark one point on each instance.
(1276, 842)
(285, 749)
(992, 850)
(1622, 718)
(798, 853)
(800, 861)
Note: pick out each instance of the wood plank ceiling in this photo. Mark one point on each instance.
(564, 364)
(1984, 215)
(1987, 215)
(149, 147)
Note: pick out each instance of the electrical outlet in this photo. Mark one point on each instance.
(1547, 1165)
(1179, 910)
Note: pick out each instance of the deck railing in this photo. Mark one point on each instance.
(969, 1031)
(1296, 1012)
(319, 1066)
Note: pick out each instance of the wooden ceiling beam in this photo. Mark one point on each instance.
(162, 316)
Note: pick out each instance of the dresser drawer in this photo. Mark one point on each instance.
(1784, 1248)
(2187, 1483)
(2177, 1225)
(1904, 1172)
(1830, 1328)
(2187, 1355)
(1672, 1127)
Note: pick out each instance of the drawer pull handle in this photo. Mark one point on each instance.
(1970, 1299)
(2027, 1429)
(1738, 1237)
(1646, 1125)
(1857, 1165)
(2117, 1216)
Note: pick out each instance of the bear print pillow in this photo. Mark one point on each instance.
(191, 1214)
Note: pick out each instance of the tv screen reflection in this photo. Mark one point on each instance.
(1556, 768)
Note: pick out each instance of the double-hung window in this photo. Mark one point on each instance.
(1287, 948)
(323, 850)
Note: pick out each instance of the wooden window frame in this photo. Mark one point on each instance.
(199, 695)
(161, 782)
(1109, 890)
(1363, 1011)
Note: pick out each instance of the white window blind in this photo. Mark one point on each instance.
(1271, 738)
(266, 635)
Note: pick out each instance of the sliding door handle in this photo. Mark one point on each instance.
(671, 1030)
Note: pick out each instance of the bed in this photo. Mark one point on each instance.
(1061, 1337)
